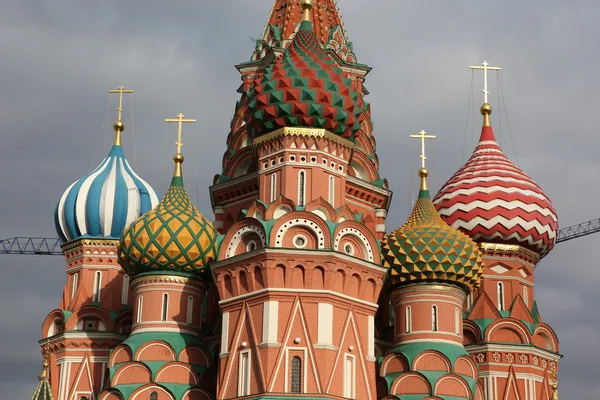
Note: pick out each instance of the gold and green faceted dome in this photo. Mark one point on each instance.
(172, 237)
(425, 248)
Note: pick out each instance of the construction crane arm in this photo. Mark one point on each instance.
(31, 246)
(579, 230)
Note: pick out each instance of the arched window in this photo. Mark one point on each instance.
(457, 320)
(97, 284)
(470, 301)
(75, 283)
(273, 186)
(526, 295)
(153, 396)
(408, 320)
(125, 290)
(331, 190)
(500, 290)
(301, 188)
(296, 375)
(190, 309)
(165, 307)
(139, 310)
(434, 318)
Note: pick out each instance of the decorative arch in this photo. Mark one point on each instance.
(281, 202)
(508, 330)
(452, 385)
(471, 332)
(431, 360)
(344, 213)
(111, 394)
(50, 323)
(87, 311)
(545, 338)
(410, 383)
(178, 373)
(144, 392)
(194, 355)
(242, 158)
(321, 205)
(303, 219)
(394, 363)
(363, 167)
(238, 233)
(156, 350)
(132, 373)
(256, 210)
(364, 236)
(196, 394)
(465, 366)
(119, 355)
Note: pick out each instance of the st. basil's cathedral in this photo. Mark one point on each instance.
(295, 290)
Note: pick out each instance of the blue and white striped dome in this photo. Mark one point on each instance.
(104, 203)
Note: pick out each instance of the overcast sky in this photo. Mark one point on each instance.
(59, 59)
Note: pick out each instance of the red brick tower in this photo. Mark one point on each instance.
(301, 205)
(515, 224)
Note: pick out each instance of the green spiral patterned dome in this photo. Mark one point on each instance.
(425, 248)
(304, 88)
(172, 237)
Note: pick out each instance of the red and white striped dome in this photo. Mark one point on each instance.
(493, 200)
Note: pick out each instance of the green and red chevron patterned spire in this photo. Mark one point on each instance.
(304, 88)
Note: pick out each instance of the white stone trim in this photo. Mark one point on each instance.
(358, 234)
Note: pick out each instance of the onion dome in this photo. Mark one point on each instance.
(303, 88)
(104, 203)
(425, 248)
(493, 200)
(172, 237)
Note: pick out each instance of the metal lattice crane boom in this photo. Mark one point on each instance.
(579, 230)
(31, 246)
(51, 246)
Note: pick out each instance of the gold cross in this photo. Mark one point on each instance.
(422, 135)
(120, 90)
(485, 67)
(180, 120)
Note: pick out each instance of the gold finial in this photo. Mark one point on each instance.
(486, 111)
(485, 67)
(423, 173)
(119, 126)
(45, 364)
(307, 6)
(178, 158)
(554, 386)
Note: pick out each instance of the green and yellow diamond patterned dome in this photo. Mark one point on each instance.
(172, 237)
(425, 248)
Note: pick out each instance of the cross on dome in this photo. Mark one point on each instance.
(119, 126)
(121, 90)
(423, 135)
(485, 67)
(180, 120)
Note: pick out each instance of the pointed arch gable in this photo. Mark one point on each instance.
(322, 205)
(281, 201)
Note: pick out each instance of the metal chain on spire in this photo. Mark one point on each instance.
(508, 121)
